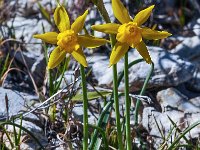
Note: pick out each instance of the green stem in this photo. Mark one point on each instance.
(116, 104)
(105, 114)
(127, 102)
(104, 13)
(106, 110)
(85, 108)
(138, 103)
(103, 135)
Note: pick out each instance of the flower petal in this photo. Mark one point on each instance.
(80, 57)
(91, 41)
(118, 52)
(143, 15)
(110, 28)
(142, 49)
(61, 18)
(56, 57)
(150, 34)
(78, 24)
(48, 37)
(120, 11)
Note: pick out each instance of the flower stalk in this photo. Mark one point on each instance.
(69, 41)
(85, 108)
(127, 103)
(104, 13)
(116, 105)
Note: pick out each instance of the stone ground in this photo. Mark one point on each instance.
(174, 87)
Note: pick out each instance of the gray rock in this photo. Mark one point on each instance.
(149, 123)
(172, 99)
(35, 130)
(35, 64)
(16, 102)
(188, 49)
(195, 101)
(78, 113)
(194, 83)
(181, 119)
(168, 71)
(192, 118)
(195, 26)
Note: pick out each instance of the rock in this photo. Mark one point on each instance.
(16, 102)
(172, 99)
(34, 129)
(168, 71)
(195, 26)
(100, 69)
(26, 31)
(189, 49)
(194, 83)
(182, 120)
(78, 113)
(192, 118)
(26, 62)
(195, 101)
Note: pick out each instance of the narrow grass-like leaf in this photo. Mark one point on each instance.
(44, 13)
(63, 69)
(174, 124)
(15, 134)
(138, 103)
(185, 146)
(20, 131)
(24, 129)
(183, 134)
(5, 66)
(167, 138)
(105, 114)
(91, 95)
(161, 133)
(8, 136)
(44, 45)
(102, 132)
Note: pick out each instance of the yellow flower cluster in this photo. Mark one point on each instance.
(128, 34)
(68, 40)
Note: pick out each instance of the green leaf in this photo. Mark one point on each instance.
(176, 141)
(90, 95)
(45, 14)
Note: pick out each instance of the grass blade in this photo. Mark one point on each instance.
(183, 134)
(105, 114)
(174, 124)
(24, 129)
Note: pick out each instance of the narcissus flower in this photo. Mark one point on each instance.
(68, 40)
(129, 32)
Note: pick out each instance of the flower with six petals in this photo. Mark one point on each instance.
(129, 32)
(68, 40)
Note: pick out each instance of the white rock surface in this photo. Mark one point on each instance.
(173, 99)
(195, 26)
(188, 49)
(182, 120)
(168, 71)
(16, 101)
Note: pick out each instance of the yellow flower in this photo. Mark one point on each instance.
(129, 32)
(68, 40)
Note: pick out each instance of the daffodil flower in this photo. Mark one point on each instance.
(129, 32)
(68, 40)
